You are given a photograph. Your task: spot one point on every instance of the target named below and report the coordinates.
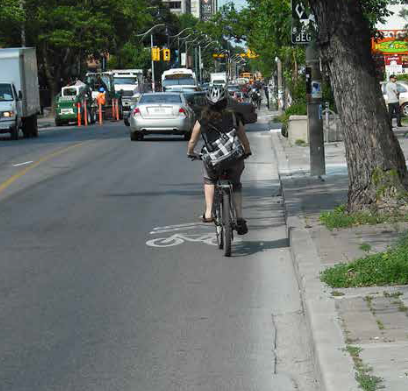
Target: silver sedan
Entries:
(161, 113)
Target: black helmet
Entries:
(216, 94)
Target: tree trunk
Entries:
(52, 76)
(377, 171)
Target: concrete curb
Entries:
(334, 368)
(44, 126)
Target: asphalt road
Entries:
(110, 282)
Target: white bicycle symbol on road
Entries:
(177, 239)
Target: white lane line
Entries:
(180, 227)
(22, 164)
(177, 226)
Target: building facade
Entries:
(204, 9)
(179, 7)
(201, 9)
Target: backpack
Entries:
(224, 152)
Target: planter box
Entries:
(297, 129)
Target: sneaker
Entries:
(242, 227)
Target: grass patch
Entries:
(340, 218)
(365, 247)
(394, 295)
(300, 143)
(380, 325)
(402, 307)
(337, 293)
(365, 379)
(386, 268)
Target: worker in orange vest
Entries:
(101, 97)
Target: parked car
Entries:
(403, 98)
(161, 113)
(205, 86)
(232, 89)
(245, 111)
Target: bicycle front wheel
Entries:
(227, 223)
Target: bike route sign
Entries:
(303, 22)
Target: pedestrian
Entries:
(393, 100)
(266, 90)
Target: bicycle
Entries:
(224, 214)
(225, 219)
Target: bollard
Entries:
(79, 113)
(117, 109)
(100, 114)
(85, 113)
(113, 109)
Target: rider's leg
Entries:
(235, 177)
(234, 174)
(209, 186)
(209, 200)
(237, 201)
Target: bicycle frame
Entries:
(225, 216)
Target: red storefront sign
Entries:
(392, 60)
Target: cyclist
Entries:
(217, 115)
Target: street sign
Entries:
(303, 23)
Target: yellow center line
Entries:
(8, 182)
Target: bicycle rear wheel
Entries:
(227, 223)
(219, 231)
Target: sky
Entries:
(238, 3)
(394, 22)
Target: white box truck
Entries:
(19, 93)
(218, 78)
(127, 84)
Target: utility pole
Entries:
(199, 63)
(281, 104)
(314, 111)
(302, 21)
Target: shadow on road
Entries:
(69, 134)
(246, 248)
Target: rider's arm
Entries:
(195, 135)
(243, 138)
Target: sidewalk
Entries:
(45, 122)
(370, 322)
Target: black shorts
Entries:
(234, 175)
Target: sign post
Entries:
(302, 20)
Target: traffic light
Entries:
(166, 54)
(155, 53)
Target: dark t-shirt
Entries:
(223, 125)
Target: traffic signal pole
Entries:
(151, 48)
(315, 111)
